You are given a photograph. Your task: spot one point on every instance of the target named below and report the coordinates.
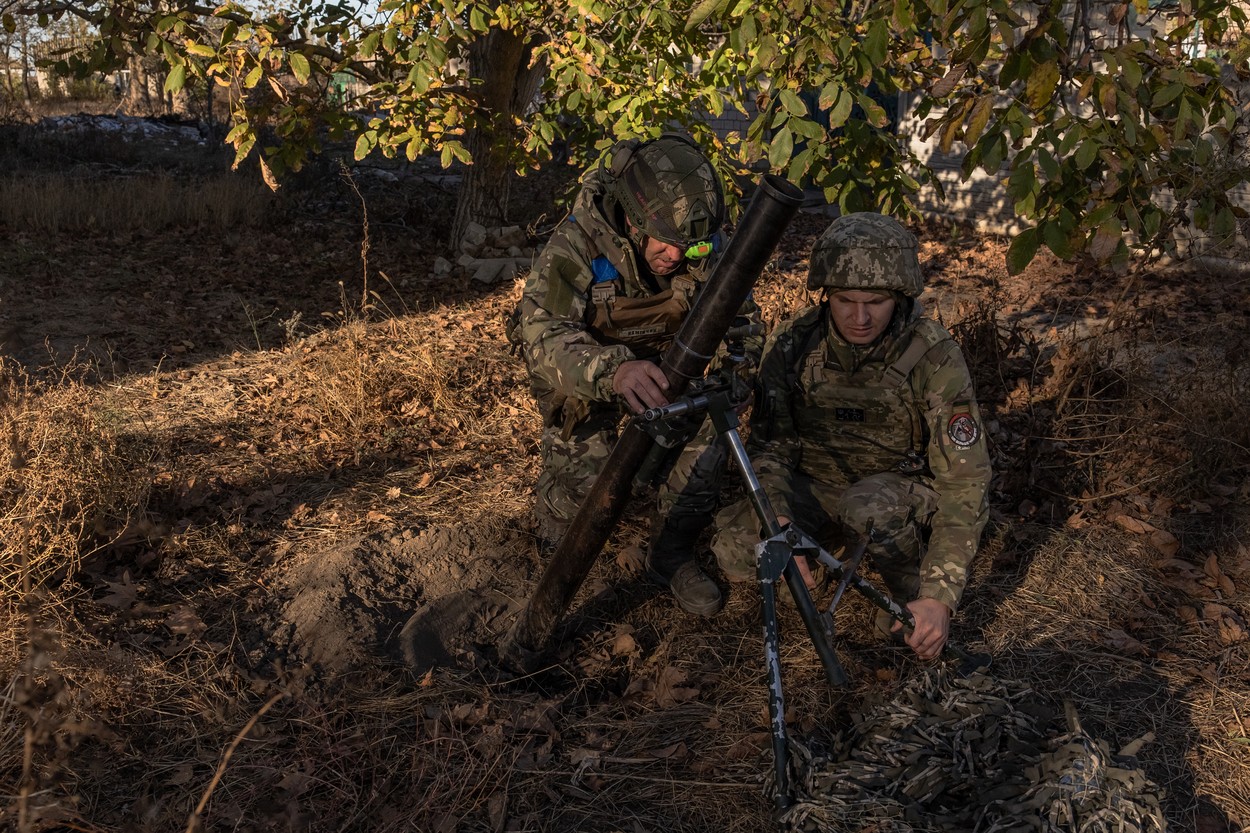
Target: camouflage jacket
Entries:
(836, 413)
(565, 360)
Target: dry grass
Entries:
(61, 203)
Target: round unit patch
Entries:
(963, 430)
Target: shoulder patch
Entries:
(962, 429)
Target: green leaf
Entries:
(176, 78)
(1049, 165)
(1167, 95)
(165, 23)
(702, 11)
(842, 110)
(874, 113)
(365, 143)
(1021, 251)
(1040, 86)
(876, 43)
(253, 77)
(1239, 53)
(460, 152)
(799, 165)
(781, 148)
(766, 53)
(10, 23)
(1057, 240)
(1224, 224)
(300, 67)
(807, 129)
(237, 132)
(369, 46)
(829, 95)
(1086, 153)
(793, 104)
(201, 50)
(1132, 73)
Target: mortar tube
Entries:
(773, 205)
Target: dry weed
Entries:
(55, 203)
(73, 476)
(1131, 411)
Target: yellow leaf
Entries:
(266, 173)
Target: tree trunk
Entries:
(509, 83)
(137, 102)
(30, 96)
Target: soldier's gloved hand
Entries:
(933, 621)
(642, 384)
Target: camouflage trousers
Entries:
(898, 506)
(690, 479)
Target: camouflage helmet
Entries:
(668, 189)
(866, 251)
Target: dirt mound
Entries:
(429, 597)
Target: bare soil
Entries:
(297, 628)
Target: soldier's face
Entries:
(861, 316)
(662, 258)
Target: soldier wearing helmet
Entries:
(610, 290)
(865, 412)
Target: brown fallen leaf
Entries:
(1230, 626)
(184, 621)
(749, 746)
(1121, 641)
(670, 689)
(1131, 524)
(623, 645)
(497, 811)
(1165, 542)
(677, 751)
(123, 594)
(631, 559)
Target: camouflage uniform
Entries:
(889, 432)
(591, 263)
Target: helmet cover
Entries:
(669, 190)
(866, 251)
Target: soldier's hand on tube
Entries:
(933, 621)
(642, 384)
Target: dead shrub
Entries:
(71, 477)
(1129, 411)
(63, 203)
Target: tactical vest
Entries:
(644, 325)
(857, 423)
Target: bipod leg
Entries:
(769, 566)
(818, 628)
(968, 662)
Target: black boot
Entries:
(671, 564)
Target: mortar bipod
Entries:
(773, 560)
(774, 556)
